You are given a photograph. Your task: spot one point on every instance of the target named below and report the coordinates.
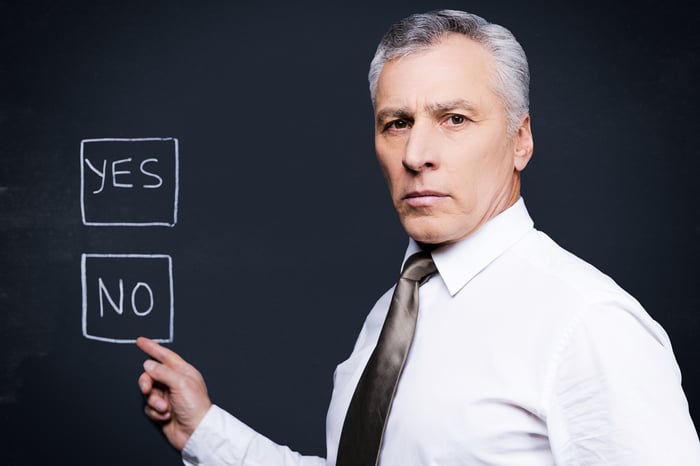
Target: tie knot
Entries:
(418, 267)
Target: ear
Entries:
(524, 144)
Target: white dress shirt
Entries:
(523, 355)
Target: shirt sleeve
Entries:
(616, 396)
(221, 439)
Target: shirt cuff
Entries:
(219, 438)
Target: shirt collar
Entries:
(459, 262)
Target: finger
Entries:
(158, 401)
(160, 353)
(156, 415)
(145, 383)
(162, 374)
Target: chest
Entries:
(473, 388)
(467, 397)
(471, 392)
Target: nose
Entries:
(421, 151)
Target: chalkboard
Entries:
(231, 146)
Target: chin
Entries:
(425, 233)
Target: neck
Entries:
(515, 190)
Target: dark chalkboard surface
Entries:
(232, 190)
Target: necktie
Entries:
(363, 429)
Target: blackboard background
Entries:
(281, 202)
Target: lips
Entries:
(424, 198)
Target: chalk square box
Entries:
(125, 296)
(129, 181)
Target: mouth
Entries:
(423, 198)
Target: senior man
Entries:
(496, 347)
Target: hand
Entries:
(175, 392)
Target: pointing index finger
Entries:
(159, 353)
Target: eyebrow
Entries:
(401, 113)
(450, 105)
(438, 107)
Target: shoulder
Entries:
(575, 294)
(595, 323)
(541, 264)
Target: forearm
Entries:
(221, 439)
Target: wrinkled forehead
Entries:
(451, 52)
(454, 68)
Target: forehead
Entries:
(455, 68)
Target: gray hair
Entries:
(421, 31)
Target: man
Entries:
(522, 354)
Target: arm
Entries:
(176, 398)
(616, 397)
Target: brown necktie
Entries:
(365, 420)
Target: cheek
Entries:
(480, 169)
(496, 160)
(384, 163)
(390, 166)
(393, 177)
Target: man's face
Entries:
(442, 141)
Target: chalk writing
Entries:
(147, 281)
(119, 309)
(129, 182)
(103, 174)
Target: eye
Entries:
(456, 119)
(397, 125)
